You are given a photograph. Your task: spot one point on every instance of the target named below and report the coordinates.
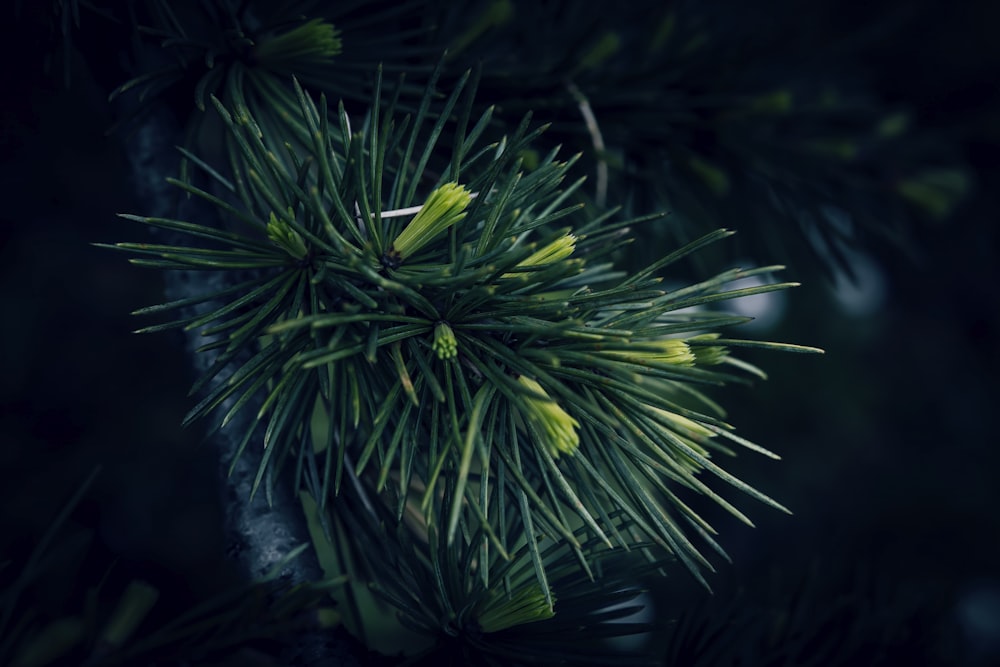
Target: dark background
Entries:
(890, 457)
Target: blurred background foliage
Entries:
(889, 457)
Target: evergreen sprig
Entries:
(445, 338)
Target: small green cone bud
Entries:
(527, 605)
(557, 427)
(445, 345)
(444, 207)
(286, 238)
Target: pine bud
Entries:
(444, 207)
(554, 252)
(286, 238)
(444, 344)
(557, 427)
(684, 426)
(670, 351)
(500, 612)
(708, 355)
(315, 40)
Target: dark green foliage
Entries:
(476, 362)
(451, 367)
(688, 108)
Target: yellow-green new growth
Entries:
(686, 427)
(444, 345)
(315, 40)
(556, 251)
(669, 351)
(527, 605)
(555, 425)
(707, 355)
(286, 238)
(444, 207)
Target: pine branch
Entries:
(437, 350)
